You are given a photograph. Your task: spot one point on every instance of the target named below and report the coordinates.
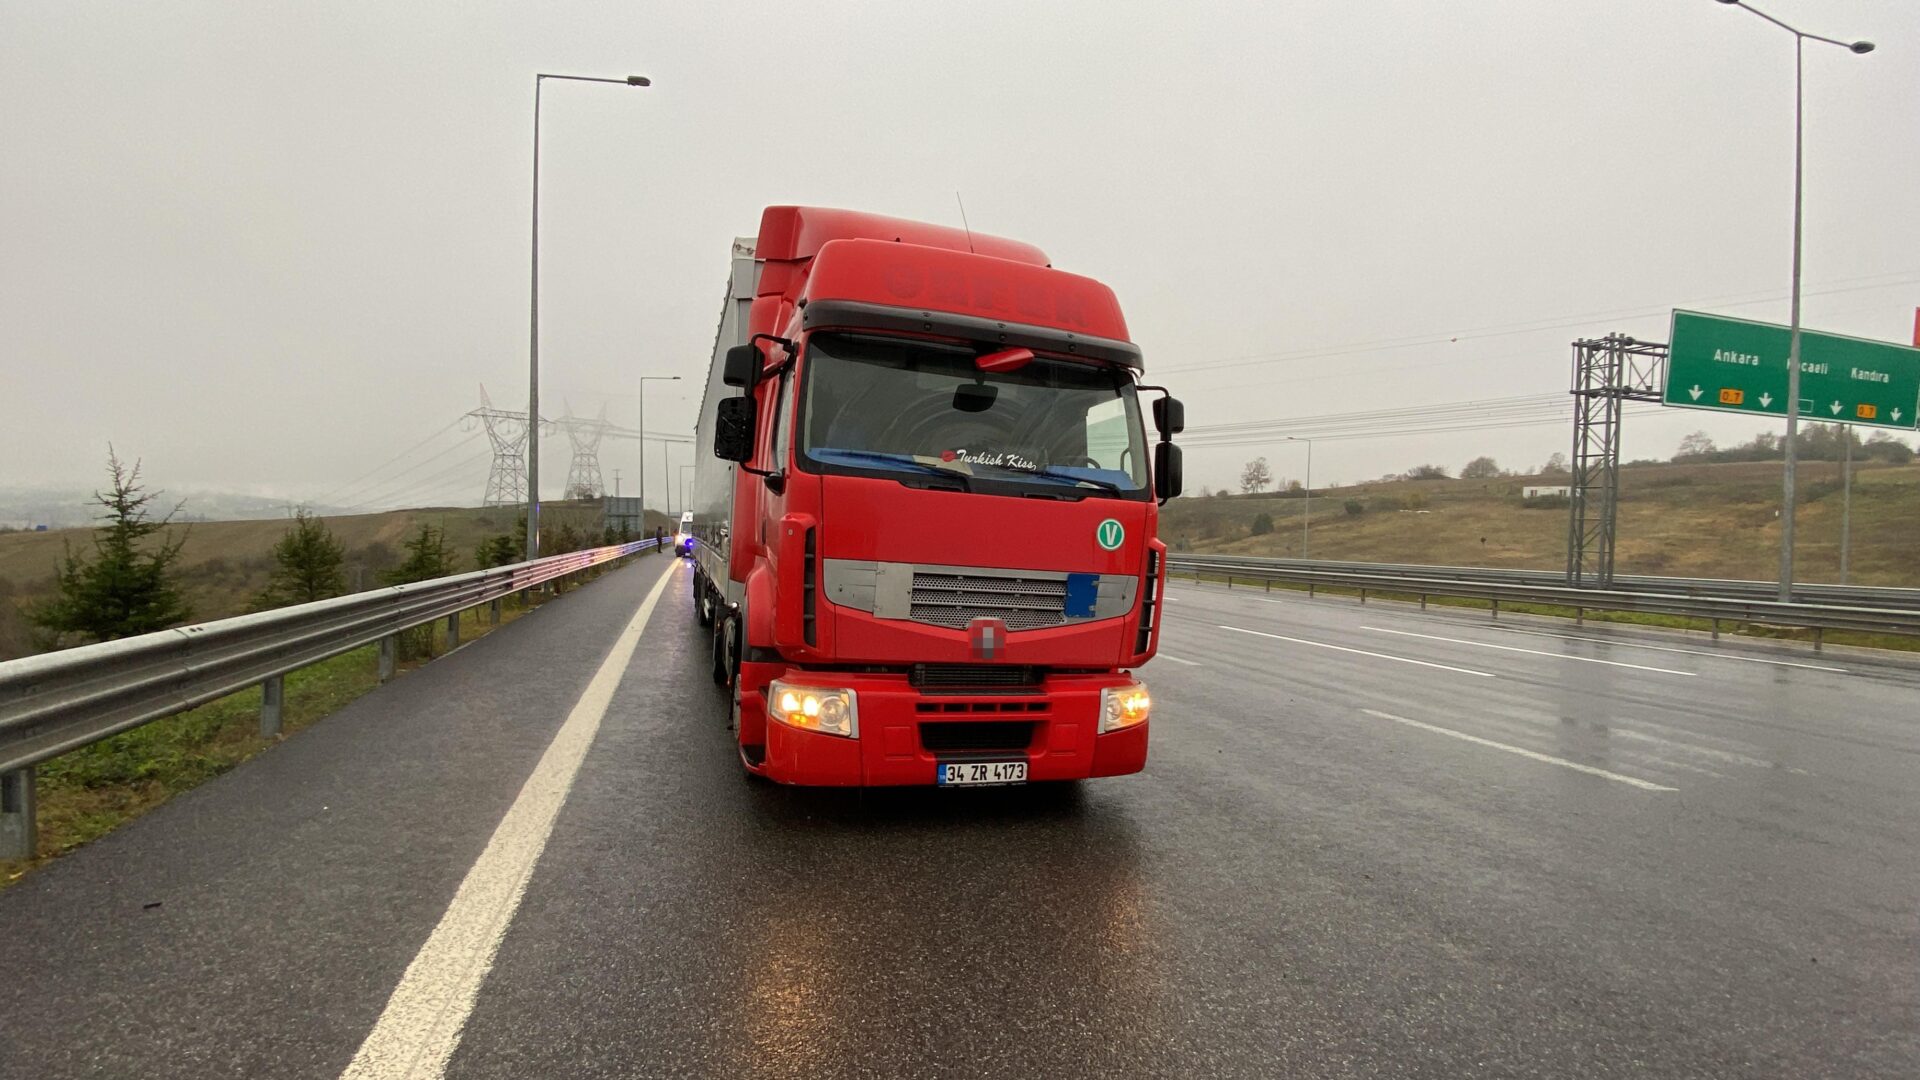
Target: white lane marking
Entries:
(1645, 785)
(1535, 652)
(422, 1023)
(1360, 652)
(1727, 756)
(1177, 660)
(1656, 762)
(1668, 648)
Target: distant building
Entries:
(1543, 491)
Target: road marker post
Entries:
(273, 696)
(18, 832)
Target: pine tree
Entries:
(127, 588)
(496, 551)
(308, 565)
(428, 557)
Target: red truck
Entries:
(925, 542)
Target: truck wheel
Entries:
(730, 654)
(718, 656)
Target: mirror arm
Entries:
(793, 351)
(1165, 393)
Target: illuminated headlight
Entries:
(814, 708)
(1123, 707)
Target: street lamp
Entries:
(1793, 347)
(643, 440)
(533, 315)
(1306, 514)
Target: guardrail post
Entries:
(453, 631)
(1267, 584)
(1363, 596)
(493, 612)
(1819, 638)
(18, 831)
(1423, 601)
(1716, 629)
(273, 695)
(389, 649)
(1496, 608)
(1309, 590)
(1579, 616)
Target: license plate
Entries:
(959, 774)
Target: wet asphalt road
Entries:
(1369, 842)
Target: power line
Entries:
(1556, 322)
(439, 480)
(328, 497)
(360, 497)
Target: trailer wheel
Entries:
(702, 600)
(730, 654)
(718, 654)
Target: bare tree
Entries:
(1255, 477)
(1695, 445)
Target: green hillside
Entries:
(225, 563)
(1685, 520)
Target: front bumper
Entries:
(906, 732)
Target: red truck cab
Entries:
(926, 540)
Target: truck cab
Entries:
(927, 534)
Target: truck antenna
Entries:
(969, 228)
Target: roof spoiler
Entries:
(861, 315)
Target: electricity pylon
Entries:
(507, 431)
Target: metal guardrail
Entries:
(1899, 599)
(1671, 596)
(61, 701)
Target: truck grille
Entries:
(971, 676)
(976, 735)
(955, 600)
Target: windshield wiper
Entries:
(930, 469)
(1052, 472)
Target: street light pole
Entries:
(1306, 515)
(533, 314)
(643, 440)
(1791, 449)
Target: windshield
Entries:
(885, 404)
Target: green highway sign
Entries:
(1735, 365)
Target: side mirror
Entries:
(1169, 416)
(743, 361)
(733, 426)
(1167, 478)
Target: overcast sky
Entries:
(268, 246)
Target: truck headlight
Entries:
(814, 708)
(1123, 706)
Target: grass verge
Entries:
(92, 791)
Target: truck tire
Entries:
(718, 655)
(702, 600)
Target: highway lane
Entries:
(1293, 888)
(1338, 863)
(255, 926)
